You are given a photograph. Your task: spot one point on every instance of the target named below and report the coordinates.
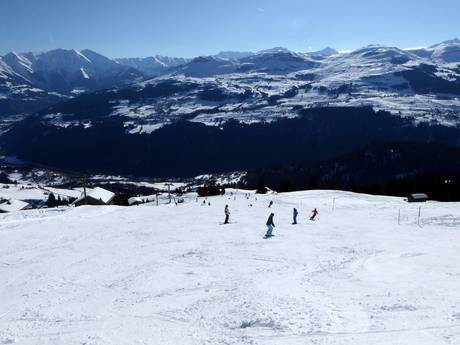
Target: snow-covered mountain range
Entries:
(423, 84)
(30, 81)
(153, 65)
(66, 72)
(414, 85)
(445, 52)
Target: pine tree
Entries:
(261, 188)
(51, 200)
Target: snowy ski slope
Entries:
(173, 275)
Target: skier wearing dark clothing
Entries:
(314, 214)
(294, 215)
(270, 225)
(227, 214)
(270, 204)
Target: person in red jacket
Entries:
(314, 214)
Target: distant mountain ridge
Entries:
(235, 55)
(444, 52)
(275, 84)
(153, 65)
(198, 113)
(384, 77)
(67, 71)
(32, 80)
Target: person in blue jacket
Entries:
(294, 215)
(270, 225)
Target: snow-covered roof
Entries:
(97, 193)
(70, 193)
(21, 192)
(135, 200)
(13, 205)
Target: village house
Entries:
(13, 205)
(95, 196)
(417, 197)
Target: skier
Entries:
(227, 214)
(270, 225)
(314, 214)
(270, 204)
(294, 216)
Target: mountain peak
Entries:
(328, 51)
(233, 55)
(452, 41)
(205, 59)
(274, 50)
(96, 58)
(62, 55)
(18, 63)
(87, 51)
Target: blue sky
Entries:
(201, 27)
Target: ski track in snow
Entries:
(172, 275)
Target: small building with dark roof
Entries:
(417, 197)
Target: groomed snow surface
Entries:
(173, 275)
